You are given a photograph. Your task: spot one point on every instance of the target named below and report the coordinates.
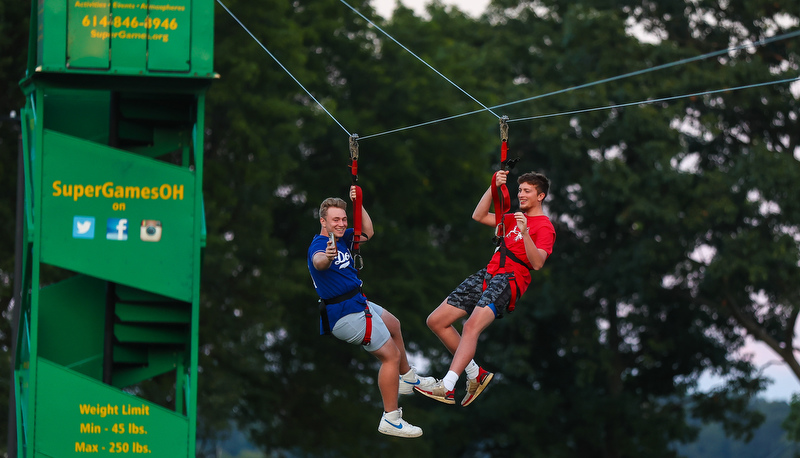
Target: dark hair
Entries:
(536, 179)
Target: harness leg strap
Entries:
(368, 331)
(323, 315)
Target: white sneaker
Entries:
(411, 379)
(392, 424)
(426, 383)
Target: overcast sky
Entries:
(472, 7)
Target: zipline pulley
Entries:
(505, 163)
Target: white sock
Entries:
(450, 380)
(472, 370)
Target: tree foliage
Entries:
(14, 18)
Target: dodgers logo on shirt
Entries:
(117, 229)
(83, 227)
(342, 259)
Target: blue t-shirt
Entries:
(340, 278)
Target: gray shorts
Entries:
(470, 293)
(351, 328)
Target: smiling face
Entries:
(333, 217)
(529, 197)
(533, 188)
(334, 221)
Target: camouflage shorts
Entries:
(470, 293)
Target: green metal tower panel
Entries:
(115, 197)
(112, 227)
(85, 416)
(151, 37)
(75, 306)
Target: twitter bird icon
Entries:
(83, 227)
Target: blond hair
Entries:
(331, 202)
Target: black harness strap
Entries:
(514, 258)
(323, 313)
(341, 297)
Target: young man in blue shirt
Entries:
(350, 317)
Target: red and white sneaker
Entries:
(437, 391)
(476, 386)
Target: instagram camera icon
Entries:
(150, 230)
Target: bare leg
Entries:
(441, 320)
(388, 375)
(480, 319)
(393, 325)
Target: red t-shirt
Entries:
(543, 235)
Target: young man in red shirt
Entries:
(488, 294)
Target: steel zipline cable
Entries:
(485, 108)
(541, 96)
(605, 107)
(281, 65)
(663, 99)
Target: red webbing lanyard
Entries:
(501, 199)
(357, 204)
(358, 261)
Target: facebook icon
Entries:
(117, 229)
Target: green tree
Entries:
(14, 19)
(769, 440)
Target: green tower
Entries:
(112, 228)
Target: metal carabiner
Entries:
(499, 232)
